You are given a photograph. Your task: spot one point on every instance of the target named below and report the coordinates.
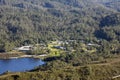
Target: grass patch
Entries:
(54, 51)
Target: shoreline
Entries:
(16, 56)
(29, 56)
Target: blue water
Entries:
(19, 65)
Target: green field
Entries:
(54, 51)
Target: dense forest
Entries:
(24, 22)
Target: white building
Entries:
(26, 49)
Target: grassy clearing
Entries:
(54, 51)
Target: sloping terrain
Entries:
(61, 71)
(85, 21)
(112, 4)
(25, 21)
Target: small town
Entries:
(53, 48)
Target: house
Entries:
(59, 47)
(26, 49)
(90, 44)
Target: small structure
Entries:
(59, 47)
(90, 44)
(58, 42)
(26, 49)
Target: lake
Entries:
(19, 64)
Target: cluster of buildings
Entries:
(55, 44)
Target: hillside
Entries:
(58, 70)
(112, 4)
(24, 21)
(88, 29)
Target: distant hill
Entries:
(112, 4)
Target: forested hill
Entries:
(25, 21)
